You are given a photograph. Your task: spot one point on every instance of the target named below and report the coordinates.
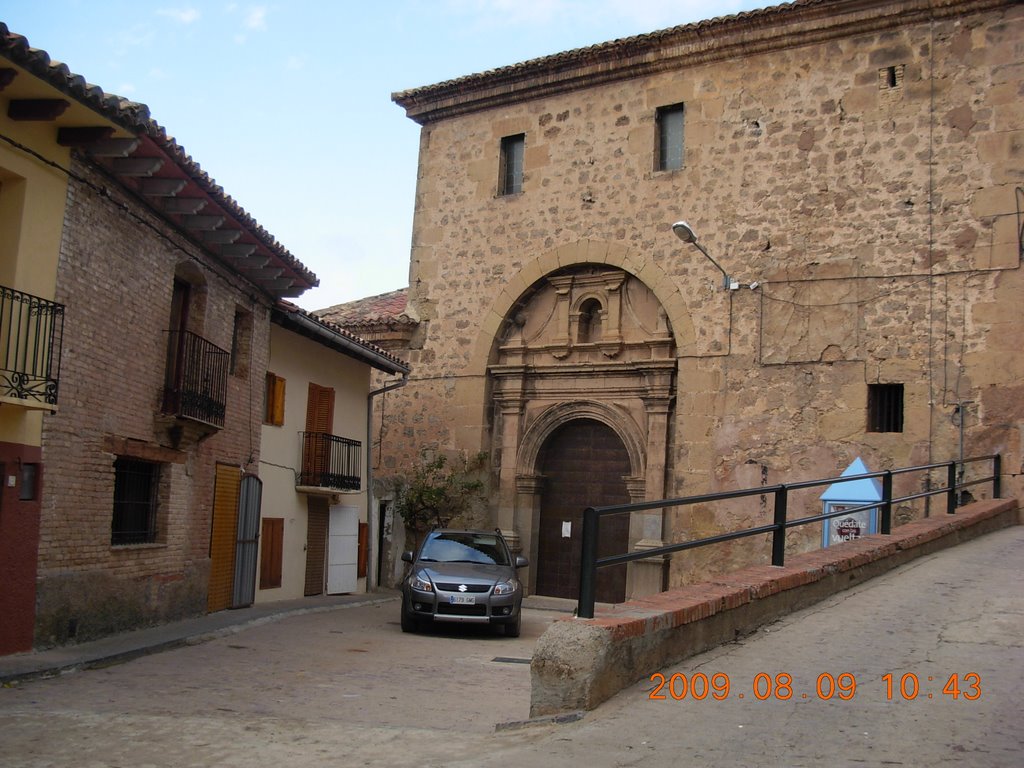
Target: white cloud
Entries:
(183, 15)
(256, 17)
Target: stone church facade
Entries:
(852, 171)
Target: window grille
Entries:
(885, 408)
(136, 483)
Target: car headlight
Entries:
(423, 585)
(506, 587)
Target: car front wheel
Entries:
(409, 623)
(513, 628)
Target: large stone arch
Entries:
(619, 421)
(583, 252)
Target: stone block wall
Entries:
(859, 164)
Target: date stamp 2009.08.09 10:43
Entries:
(780, 686)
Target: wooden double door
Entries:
(584, 464)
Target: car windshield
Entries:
(483, 548)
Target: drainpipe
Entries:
(371, 518)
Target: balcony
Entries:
(196, 386)
(31, 334)
(329, 463)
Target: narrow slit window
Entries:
(513, 148)
(669, 150)
(885, 408)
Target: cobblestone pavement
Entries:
(347, 688)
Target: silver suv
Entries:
(463, 576)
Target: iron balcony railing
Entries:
(329, 461)
(31, 334)
(196, 386)
(590, 562)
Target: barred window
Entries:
(885, 407)
(136, 486)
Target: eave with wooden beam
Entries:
(142, 159)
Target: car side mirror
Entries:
(407, 557)
(521, 562)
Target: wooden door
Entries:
(584, 464)
(223, 537)
(316, 545)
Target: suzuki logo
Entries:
(463, 587)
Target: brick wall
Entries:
(116, 273)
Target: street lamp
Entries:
(685, 233)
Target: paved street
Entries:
(346, 687)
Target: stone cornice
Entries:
(803, 22)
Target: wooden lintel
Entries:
(162, 187)
(202, 222)
(7, 76)
(221, 236)
(36, 109)
(114, 147)
(184, 204)
(83, 135)
(136, 166)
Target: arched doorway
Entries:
(584, 464)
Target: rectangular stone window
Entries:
(136, 490)
(668, 152)
(885, 407)
(510, 179)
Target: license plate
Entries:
(462, 600)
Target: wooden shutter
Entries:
(319, 421)
(274, 394)
(271, 552)
(223, 535)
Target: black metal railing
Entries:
(590, 562)
(31, 335)
(329, 461)
(196, 386)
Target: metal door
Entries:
(343, 551)
(249, 499)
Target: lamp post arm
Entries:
(725, 276)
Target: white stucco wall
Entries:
(299, 361)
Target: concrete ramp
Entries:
(578, 663)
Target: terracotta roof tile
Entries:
(384, 309)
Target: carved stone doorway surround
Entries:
(586, 342)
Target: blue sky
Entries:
(287, 105)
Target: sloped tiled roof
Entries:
(293, 317)
(384, 310)
(134, 118)
(640, 55)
